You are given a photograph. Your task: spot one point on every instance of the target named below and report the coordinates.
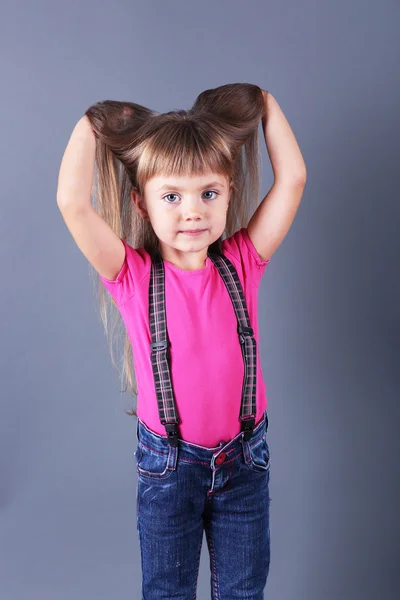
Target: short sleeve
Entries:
(134, 268)
(240, 247)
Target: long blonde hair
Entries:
(133, 144)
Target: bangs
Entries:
(183, 148)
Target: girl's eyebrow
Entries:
(168, 186)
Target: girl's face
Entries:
(175, 205)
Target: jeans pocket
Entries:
(153, 464)
(260, 456)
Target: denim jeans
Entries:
(184, 490)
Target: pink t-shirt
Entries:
(206, 365)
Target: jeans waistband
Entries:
(159, 443)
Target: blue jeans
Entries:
(184, 490)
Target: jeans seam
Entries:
(214, 571)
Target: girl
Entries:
(169, 188)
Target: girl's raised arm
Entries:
(273, 218)
(75, 178)
(94, 237)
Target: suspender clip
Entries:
(172, 433)
(247, 427)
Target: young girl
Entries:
(171, 242)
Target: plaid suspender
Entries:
(160, 355)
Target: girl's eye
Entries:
(207, 192)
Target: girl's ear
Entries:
(139, 204)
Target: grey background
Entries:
(329, 300)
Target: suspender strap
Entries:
(160, 355)
(247, 340)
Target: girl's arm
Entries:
(272, 220)
(94, 237)
(286, 159)
(77, 167)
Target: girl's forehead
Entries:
(191, 182)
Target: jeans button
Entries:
(220, 458)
